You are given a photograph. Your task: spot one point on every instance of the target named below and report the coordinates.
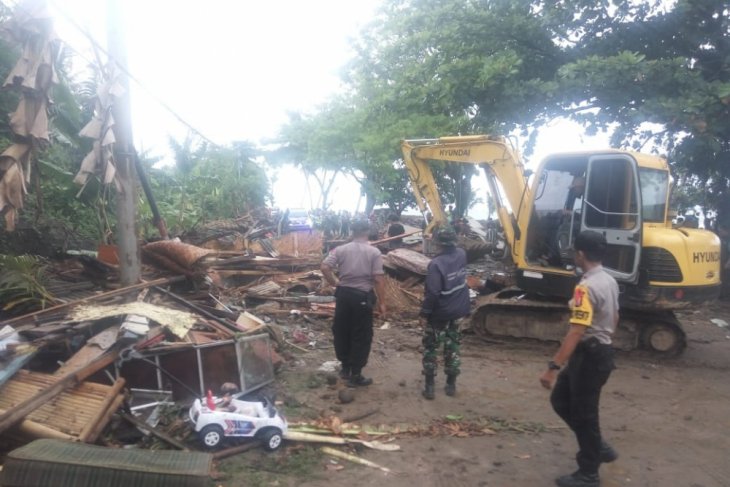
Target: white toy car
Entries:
(258, 419)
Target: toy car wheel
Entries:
(212, 435)
(272, 438)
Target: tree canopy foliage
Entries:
(656, 75)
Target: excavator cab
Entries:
(576, 192)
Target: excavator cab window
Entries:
(613, 207)
(586, 192)
(654, 189)
(556, 212)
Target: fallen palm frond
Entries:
(22, 286)
(451, 425)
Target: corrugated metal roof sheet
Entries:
(61, 463)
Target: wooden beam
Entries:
(92, 436)
(101, 412)
(395, 237)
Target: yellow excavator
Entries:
(624, 195)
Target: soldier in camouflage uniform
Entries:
(445, 302)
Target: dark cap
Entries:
(360, 227)
(592, 243)
(445, 235)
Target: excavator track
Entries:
(513, 313)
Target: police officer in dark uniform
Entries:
(445, 301)
(360, 285)
(587, 356)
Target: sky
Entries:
(234, 70)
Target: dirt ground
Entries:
(668, 418)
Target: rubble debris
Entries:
(16, 411)
(212, 234)
(249, 323)
(407, 259)
(175, 255)
(93, 349)
(178, 322)
(144, 427)
(36, 317)
(268, 290)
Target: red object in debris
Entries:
(209, 401)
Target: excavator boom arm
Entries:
(500, 161)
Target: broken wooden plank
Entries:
(89, 352)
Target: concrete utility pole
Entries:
(126, 234)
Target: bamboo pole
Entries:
(101, 411)
(353, 458)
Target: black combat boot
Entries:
(450, 387)
(345, 372)
(357, 379)
(428, 391)
(608, 454)
(578, 479)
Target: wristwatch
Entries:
(553, 366)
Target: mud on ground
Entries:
(668, 418)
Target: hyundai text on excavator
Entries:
(624, 195)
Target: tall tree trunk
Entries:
(369, 202)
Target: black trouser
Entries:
(576, 395)
(353, 327)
